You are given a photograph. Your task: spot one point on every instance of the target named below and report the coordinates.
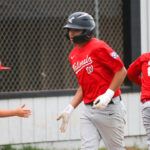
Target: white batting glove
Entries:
(65, 115)
(102, 101)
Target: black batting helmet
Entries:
(82, 21)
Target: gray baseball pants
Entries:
(107, 124)
(146, 120)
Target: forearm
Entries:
(77, 98)
(118, 79)
(102, 101)
(8, 113)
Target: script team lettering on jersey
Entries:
(79, 65)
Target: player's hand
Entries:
(65, 115)
(102, 101)
(65, 119)
(21, 112)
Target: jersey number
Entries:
(89, 69)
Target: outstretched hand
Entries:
(21, 112)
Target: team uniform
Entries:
(100, 72)
(95, 65)
(142, 66)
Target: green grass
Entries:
(9, 147)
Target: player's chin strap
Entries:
(84, 37)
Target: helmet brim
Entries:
(72, 26)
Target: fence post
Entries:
(96, 19)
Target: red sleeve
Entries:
(134, 71)
(109, 58)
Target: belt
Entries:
(111, 102)
(145, 100)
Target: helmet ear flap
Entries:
(88, 35)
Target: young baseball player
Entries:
(142, 66)
(100, 73)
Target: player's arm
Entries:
(20, 112)
(102, 101)
(118, 79)
(77, 98)
(65, 115)
(134, 72)
(112, 60)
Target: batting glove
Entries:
(102, 101)
(65, 115)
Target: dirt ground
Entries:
(130, 148)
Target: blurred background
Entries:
(33, 42)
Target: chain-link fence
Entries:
(33, 43)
